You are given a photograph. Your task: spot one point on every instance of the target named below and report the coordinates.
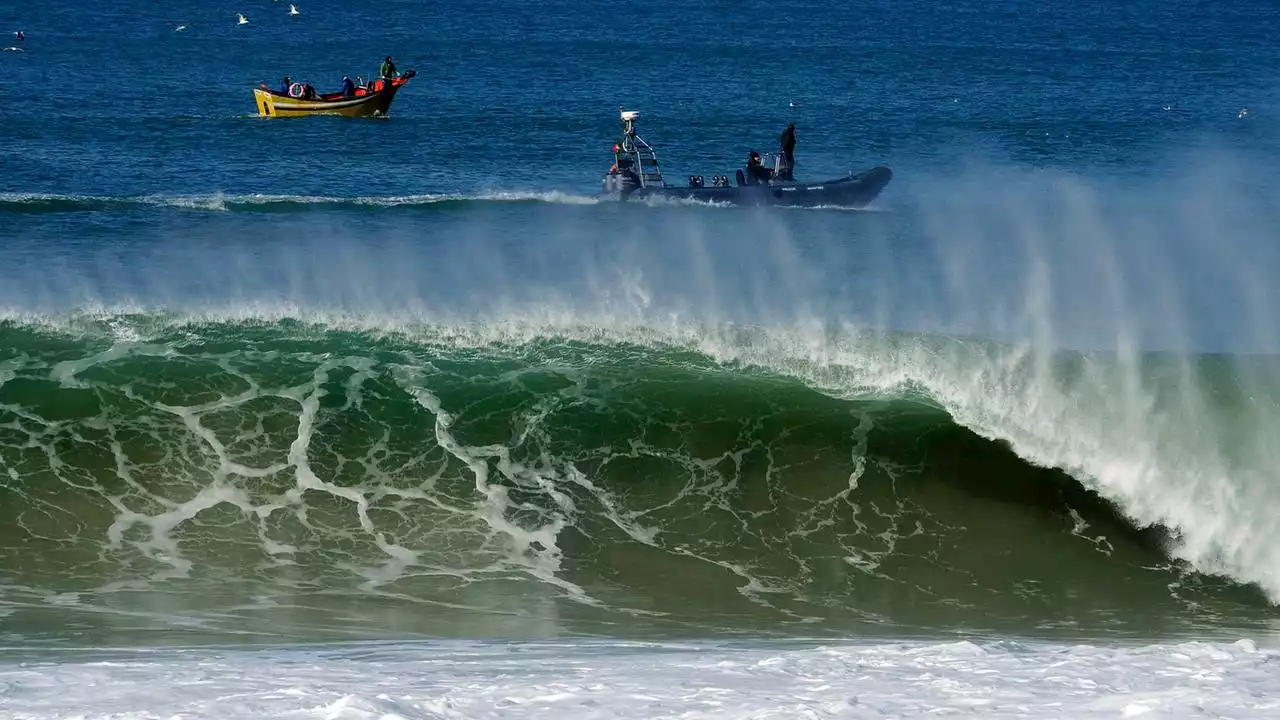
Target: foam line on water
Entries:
(619, 681)
(263, 202)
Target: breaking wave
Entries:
(525, 478)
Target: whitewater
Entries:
(598, 680)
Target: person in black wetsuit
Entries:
(757, 173)
(787, 144)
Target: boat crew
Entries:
(389, 68)
(757, 173)
(284, 86)
(787, 143)
(348, 87)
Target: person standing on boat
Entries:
(284, 86)
(389, 68)
(787, 143)
(348, 87)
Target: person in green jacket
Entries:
(389, 68)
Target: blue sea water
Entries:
(395, 418)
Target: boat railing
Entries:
(641, 153)
(645, 159)
(775, 160)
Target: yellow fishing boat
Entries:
(370, 100)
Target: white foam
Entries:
(222, 202)
(531, 550)
(603, 680)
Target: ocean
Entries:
(396, 419)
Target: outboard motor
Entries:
(622, 182)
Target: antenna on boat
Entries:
(628, 120)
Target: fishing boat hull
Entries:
(372, 102)
(856, 190)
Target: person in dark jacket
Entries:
(757, 173)
(348, 87)
(284, 86)
(787, 143)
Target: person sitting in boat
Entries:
(389, 68)
(348, 87)
(284, 86)
(757, 173)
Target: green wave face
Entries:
(281, 481)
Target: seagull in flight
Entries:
(243, 20)
(293, 9)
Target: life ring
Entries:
(295, 90)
